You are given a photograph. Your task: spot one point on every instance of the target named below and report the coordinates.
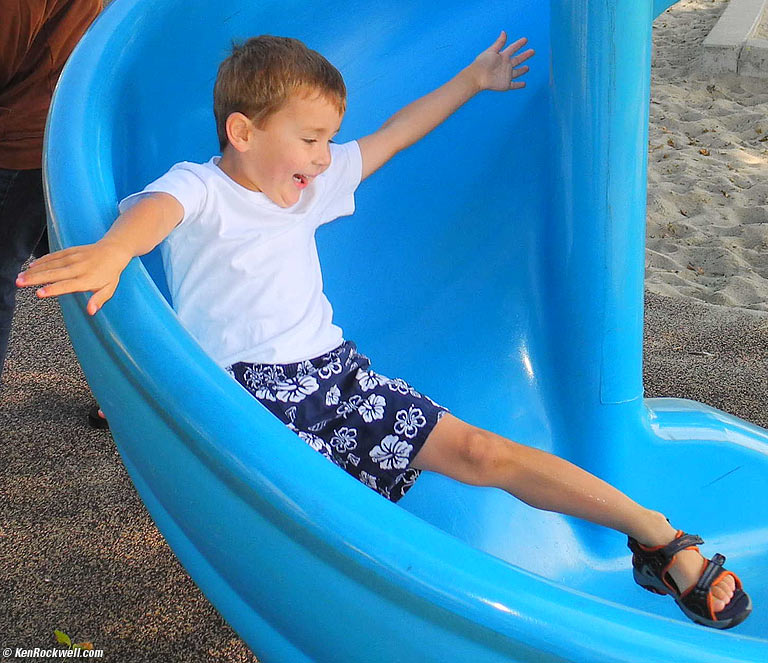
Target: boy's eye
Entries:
(309, 140)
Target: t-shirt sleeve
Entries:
(341, 180)
(180, 182)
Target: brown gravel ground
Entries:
(78, 550)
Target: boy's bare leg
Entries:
(475, 456)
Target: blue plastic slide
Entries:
(497, 265)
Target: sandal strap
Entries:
(680, 543)
(712, 571)
(658, 560)
(697, 598)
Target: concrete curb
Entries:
(736, 43)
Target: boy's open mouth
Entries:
(300, 180)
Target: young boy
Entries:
(242, 268)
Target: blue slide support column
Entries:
(600, 78)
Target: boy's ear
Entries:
(239, 131)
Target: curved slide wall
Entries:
(497, 265)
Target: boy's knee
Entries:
(466, 453)
(484, 457)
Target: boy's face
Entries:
(292, 148)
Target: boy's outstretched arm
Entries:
(97, 267)
(493, 69)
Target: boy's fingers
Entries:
(40, 276)
(93, 306)
(522, 57)
(515, 46)
(519, 72)
(38, 268)
(96, 302)
(496, 46)
(53, 256)
(43, 259)
(100, 297)
(63, 288)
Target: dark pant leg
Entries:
(22, 232)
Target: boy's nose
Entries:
(323, 158)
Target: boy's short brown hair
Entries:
(260, 75)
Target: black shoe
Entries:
(95, 420)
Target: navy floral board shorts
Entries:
(368, 424)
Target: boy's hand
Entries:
(495, 69)
(97, 267)
(91, 268)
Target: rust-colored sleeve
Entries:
(36, 38)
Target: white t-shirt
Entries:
(243, 272)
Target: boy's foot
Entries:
(688, 567)
(666, 563)
(687, 570)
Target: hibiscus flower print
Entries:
(333, 355)
(401, 386)
(369, 380)
(305, 368)
(407, 478)
(405, 481)
(318, 444)
(314, 428)
(391, 452)
(345, 409)
(344, 439)
(296, 389)
(271, 373)
(258, 384)
(368, 479)
(333, 396)
(350, 406)
(334, 368)
(408, 423)
(372, 408)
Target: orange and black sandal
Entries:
(651, 570)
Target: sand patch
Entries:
(707, 213)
